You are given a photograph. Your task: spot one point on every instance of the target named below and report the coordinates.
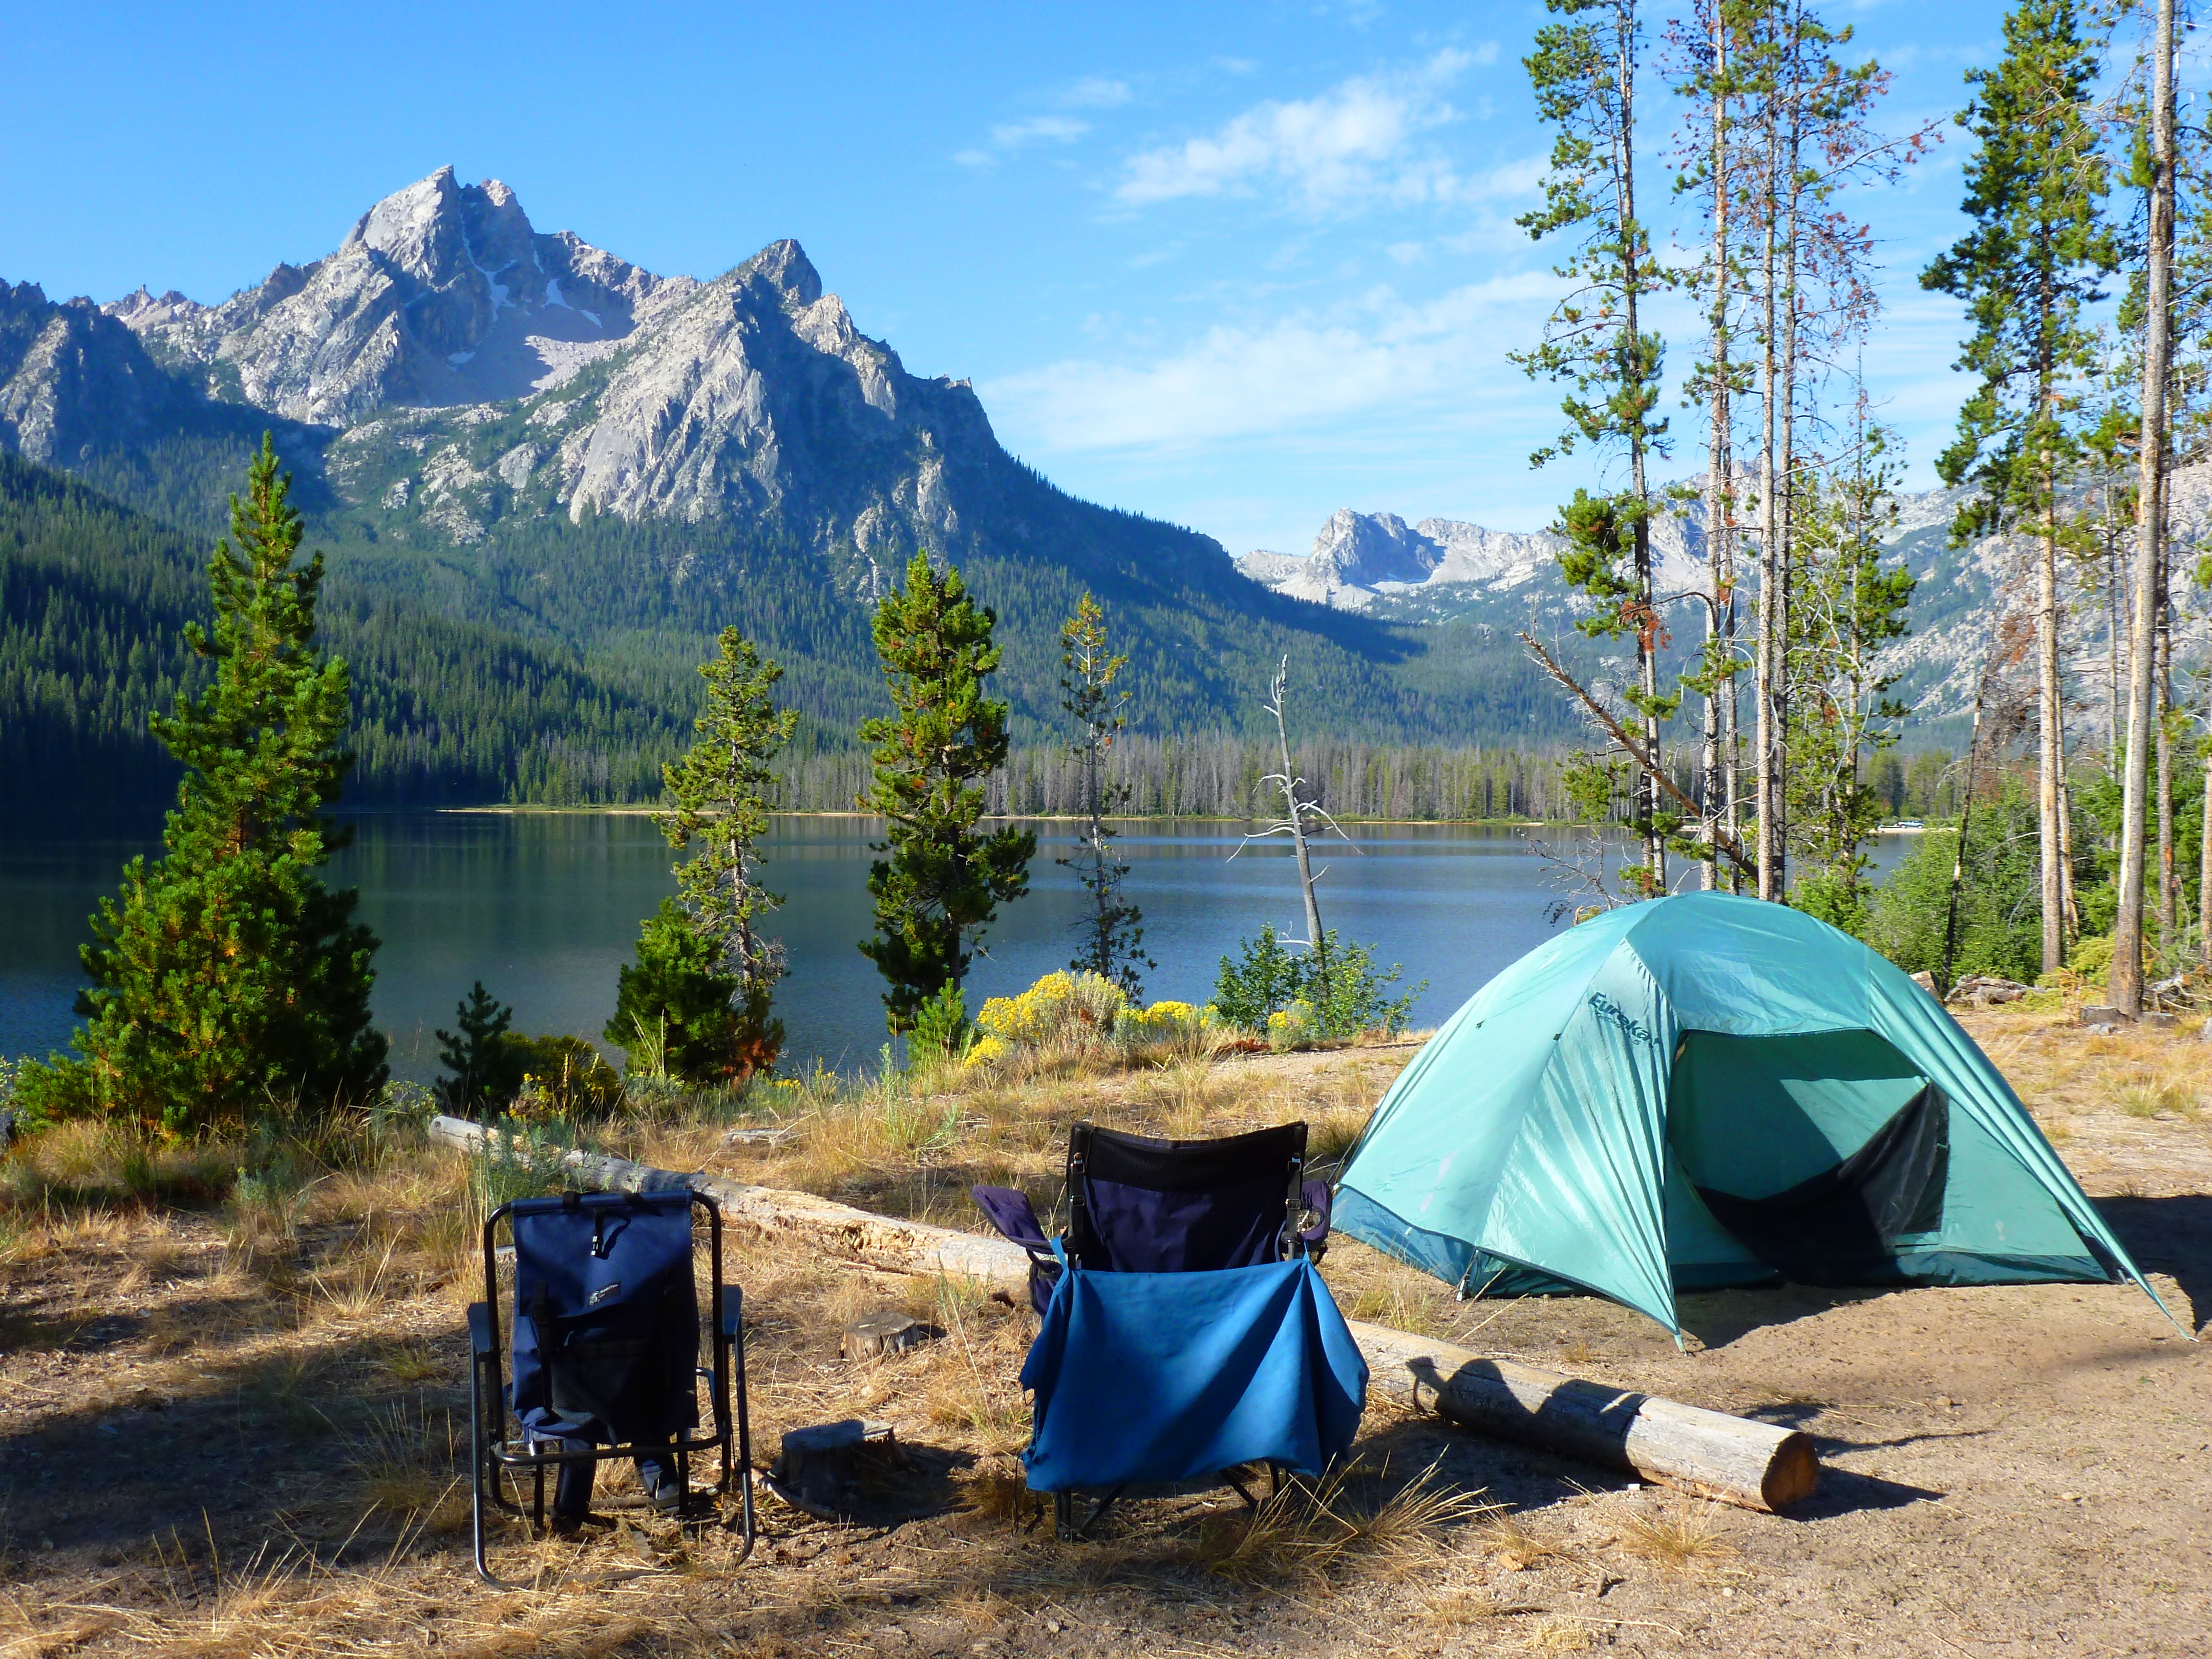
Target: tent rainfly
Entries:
(1707, 1091)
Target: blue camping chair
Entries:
(605, 1357)
(1185, 1332)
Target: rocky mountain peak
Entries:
(442, 294)
(783, 266)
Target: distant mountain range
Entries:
(546, 477)
(570, 470)
(1443, 570)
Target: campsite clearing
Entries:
(234, 1433)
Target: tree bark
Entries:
(2126, 989)
(1717, 464)
(2169, 878)
(2050, 751)
(1770, 580)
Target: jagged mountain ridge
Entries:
(693, 453)
(1447, 570)
(442, 294)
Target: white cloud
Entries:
(1096, 92)
(1010, 137)
(1039, 129)
(1235, 381)
(1353, 143)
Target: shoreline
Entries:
(531, 809)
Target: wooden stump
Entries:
(878, 1334)
(828, 1470)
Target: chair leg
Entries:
(480, 1464)
(1063, 1515)
(744, 1450)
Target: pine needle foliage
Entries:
(226, 979)
(1111, 933)
(945, 880)
(700, 1004)
(483, 1069)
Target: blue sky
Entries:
(1234, 267)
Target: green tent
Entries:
(1706, 1091)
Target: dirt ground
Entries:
(224, 1435)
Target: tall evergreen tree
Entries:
(227, 978)
(1584, 72)
(945, 880)
(2039, 246)
(1111, 931)
(720, 791)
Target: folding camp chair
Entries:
(1185, 1277)
(605, 1355)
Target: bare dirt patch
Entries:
(224, 1432)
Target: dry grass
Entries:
(1519, 1544)
(1355, 1525)
(413, 1465)
(1680, 1539)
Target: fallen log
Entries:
(1757, 1466)
(1735, 1460)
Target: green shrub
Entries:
(677, 1015)
(564, 1077)
(1336, 993)
(941, 1034)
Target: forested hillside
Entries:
(558, 668)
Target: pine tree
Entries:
(226, 979)
(678, 1013)
(944, 881)
(1584, 74)
(2032, 262)
(720, 789)
(1112, 934)
(486, 1070)
(1848, 605)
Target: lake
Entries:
(544, 908)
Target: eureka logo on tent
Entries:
(1634, 1028)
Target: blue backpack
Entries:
(606, 1322)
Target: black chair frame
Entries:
(496, 1451)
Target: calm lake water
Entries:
(544, 908)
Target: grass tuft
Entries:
(1679, 1540)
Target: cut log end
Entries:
(878, 1334)
(827, 1470)
(1794, 1475)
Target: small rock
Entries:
(2158, 1022)
(1945, 1401)
(777, 1136)
(2070, 1497)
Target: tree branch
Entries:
(1628, 746)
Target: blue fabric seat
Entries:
(604, 1355)
(1185, 1332)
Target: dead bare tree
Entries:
(1299, 810)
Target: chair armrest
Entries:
(734, 1311)
(1012, 1214)
(479, 1329)
(1315, 1197)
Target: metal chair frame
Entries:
(495, 1450)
